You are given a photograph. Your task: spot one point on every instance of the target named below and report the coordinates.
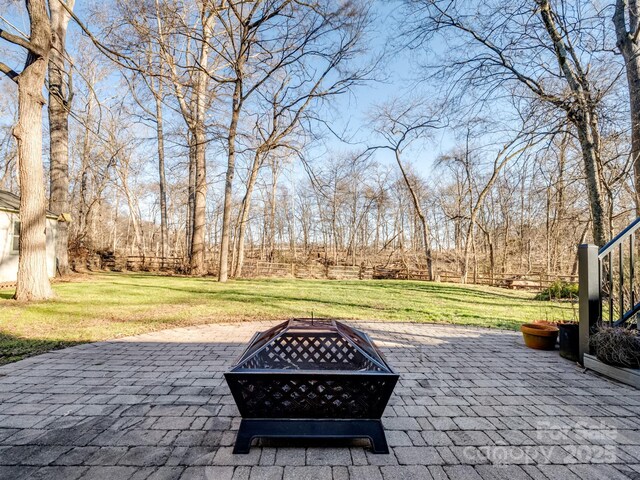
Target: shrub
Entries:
(559, 290)
(616, 346)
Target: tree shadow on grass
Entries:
(399, 285)
(14, 348)
(253, 297)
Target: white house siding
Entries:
(9, 259)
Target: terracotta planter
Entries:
(539, 336)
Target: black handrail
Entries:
(619, 238)
(628, 315)
(606, 275)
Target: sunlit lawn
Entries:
(104, 306)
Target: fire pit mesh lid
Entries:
(308, 344)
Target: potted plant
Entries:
(569, 336)
(568, 330)
(569, 340)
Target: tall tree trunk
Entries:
(197, 256)
(115, 225)
(492, 259)
(123, 173)
(291, 220)
(272, 210)
(560, 210)
(423, 219)
(164, 238)
(633, 79)
(223, 271)
(581, 112)
(33, 280)
(193, 111)
(83, 206)
(59, 104)
(190, 198)
(471, 227)
(258, 159)
(199, 203)
(590, 142)
(627, 43)
(498, 164)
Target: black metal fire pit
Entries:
(308, 378)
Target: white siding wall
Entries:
(9, 259)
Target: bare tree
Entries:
(33, 281)
(522, 141)
(300, 33)
(155, 86)
(507, 47)
(60, 95)
(627, 27)
(289, 101)
(254, 82)
(191, 91)
(179, 53)
(8, 154)
(400, 125)
(243, 24)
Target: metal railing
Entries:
(607, 284)
(607, 271)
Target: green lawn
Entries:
(103, 306)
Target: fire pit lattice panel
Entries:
(313, 398)
(292, 352)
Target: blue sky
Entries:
(399, 81)
(349, 112)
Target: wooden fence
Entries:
(136, 263)
(528, 281)
(306, 271)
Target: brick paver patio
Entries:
(471, 404)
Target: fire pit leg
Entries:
(378, 438)
(244, 438)
(329, 429)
